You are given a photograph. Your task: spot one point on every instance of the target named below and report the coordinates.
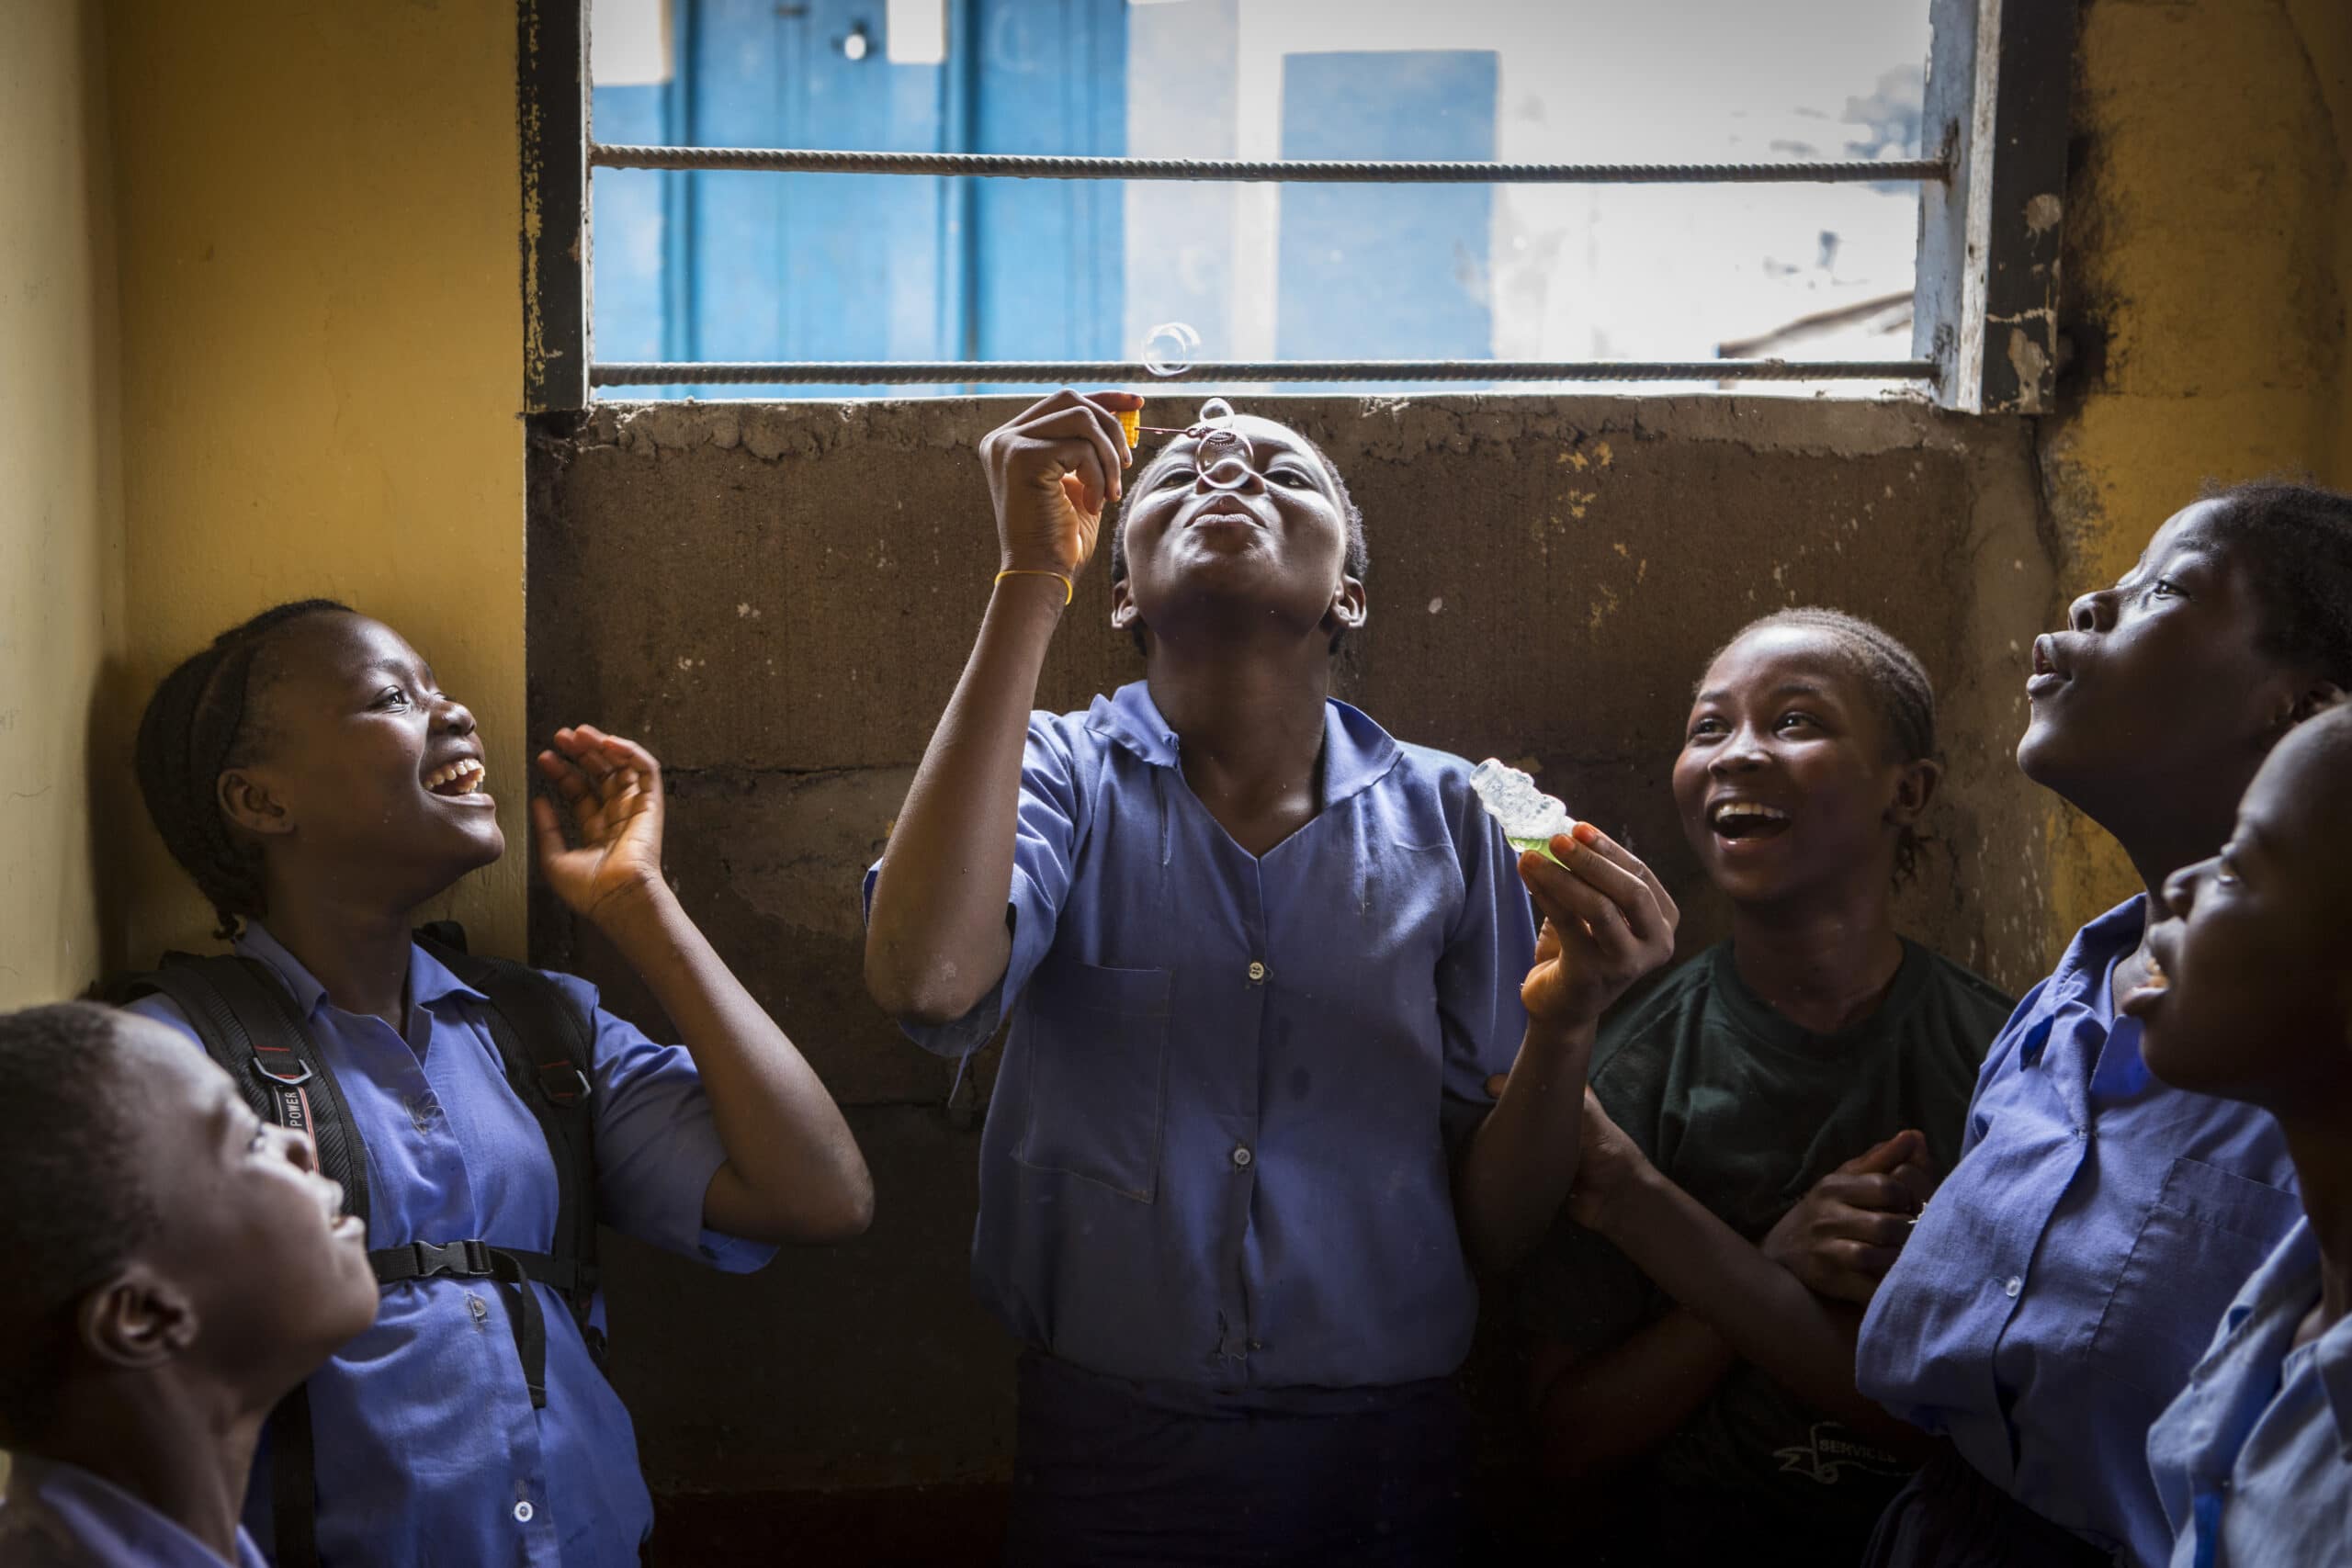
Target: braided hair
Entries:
(1896, 680)
(199, 724)
(71, 1208)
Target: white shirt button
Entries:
(1257, 971)
(2014, 1286)
(1241, 1159)
(523, 1512)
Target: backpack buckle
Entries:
(467, 1259)
(281, 1065)
(563, 1083)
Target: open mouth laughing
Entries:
(460, 780)
(1745, 821)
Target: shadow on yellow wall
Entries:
(314, 207)
(2208, 256)
(60, 513)
(321, 357)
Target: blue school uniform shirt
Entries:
(2070, 1271)
(427, 1447)
(60, 1516)
(2254, 1459)
(1217, 1157)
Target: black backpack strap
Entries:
(548, 1049)
(293, 1483)
(514, 1269)
(247, 1021)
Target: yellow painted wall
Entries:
(320, 334)
(60, 524)
(322, 350)
(2209, 260)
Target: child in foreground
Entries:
(2250, 998)
(174, 1266)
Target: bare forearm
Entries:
(1522, 1159)
(1801, 1340)
(1611, 1408)
(936, 938)
(793, 1170)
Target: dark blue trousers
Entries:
(1106, 1477)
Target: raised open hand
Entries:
(611, 790)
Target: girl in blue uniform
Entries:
(2250, 998)
(1260, 959)
(310, 774)
(2070, 1271)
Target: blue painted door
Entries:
(743, 266)
(1387, 271)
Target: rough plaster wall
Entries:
(779, 599)
(2208, 252)
(60, 513)
(322, 344)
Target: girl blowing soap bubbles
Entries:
(1260, 959)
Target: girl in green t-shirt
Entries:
(1673, 1354)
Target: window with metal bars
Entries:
(954, 217)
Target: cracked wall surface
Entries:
(777, 598)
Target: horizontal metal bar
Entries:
(1033, 372)
(1021, 165)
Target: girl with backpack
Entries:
(310, 774)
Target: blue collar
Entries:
(429, 981)
(2091, 956)
(109, 1524)
(1357, 753)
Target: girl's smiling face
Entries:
(363, 768)
(1242, 515)
(1789, 781)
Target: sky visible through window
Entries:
(762, 266)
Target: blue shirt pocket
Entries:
(2198, 1243)
(1097, 1047)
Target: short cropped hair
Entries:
(2294, 542)
(73, 1209)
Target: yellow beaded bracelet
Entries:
(1070, 590)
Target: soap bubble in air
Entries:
(1170, 349)
(1214, 409)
